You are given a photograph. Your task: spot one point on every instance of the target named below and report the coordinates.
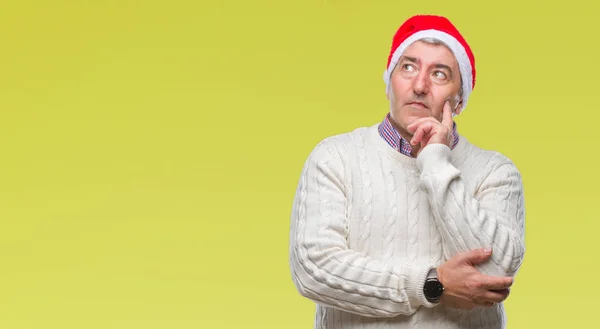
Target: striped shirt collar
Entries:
(397, 142)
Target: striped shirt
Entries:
(397, 142)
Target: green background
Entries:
(150, 150)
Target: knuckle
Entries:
(472, 285)
(478, 283)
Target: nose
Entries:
(421, 83)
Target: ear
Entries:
(459, 103)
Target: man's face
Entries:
(425, 76)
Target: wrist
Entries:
(417, 280)
(433, 289)
(433, 155)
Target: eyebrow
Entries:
(408, 58)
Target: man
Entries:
(406, 224)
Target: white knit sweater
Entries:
(368, 223)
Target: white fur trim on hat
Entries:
(462, 58)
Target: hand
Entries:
(465, 287)
(431, 131)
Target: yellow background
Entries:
(150, 150)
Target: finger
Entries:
(497, 283)
(505, 292)
(447, 115)
(422, 130)
(495, 296)
(424, 142)
(418, 135)
(475, 256)
(415, 124)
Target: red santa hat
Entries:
(437, 27)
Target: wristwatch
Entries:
(433, 288)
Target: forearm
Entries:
(467, 223)
(349, 281)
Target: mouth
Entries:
(418, 105)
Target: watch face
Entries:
(433, 289)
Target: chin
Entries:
(418, 110)
(415, 116)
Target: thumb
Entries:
(477, 256)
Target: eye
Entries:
(439, 74)
(408, 68)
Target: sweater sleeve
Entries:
(323, 267)
(491, 218)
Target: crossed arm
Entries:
(326, 271)
(492, 218)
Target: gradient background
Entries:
(150, 150)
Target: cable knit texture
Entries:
(368, 223)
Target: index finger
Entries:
(447, 115)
